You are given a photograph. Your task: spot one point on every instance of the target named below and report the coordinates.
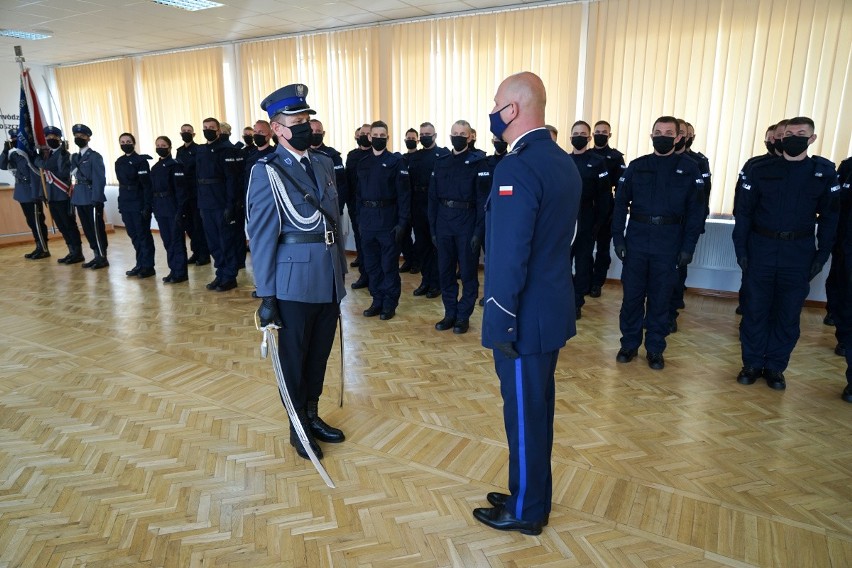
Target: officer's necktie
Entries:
(307, 163)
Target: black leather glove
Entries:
(506, 349)
(743, 262)
(475, 243)
(816, 268)
(397, 234)
(229, 216)
(683, 259)
(267, 312)
(620, 252)
(7, 145)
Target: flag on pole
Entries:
(31, 128)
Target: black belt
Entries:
(656, 219)
(161, 194)
(209, 181)
(304, 238)
(452, 204)
(127, 186)
(782, 235)
(385, 203)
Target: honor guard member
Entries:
(362, 139)
(407, 244)
(169, 197)
(194, 227)
(774, 241)
(56, 163)
(218, 190)
(457, 193)
(293, 223)
(615, 166)
(317, 145)
(594, 209)
(89, 173)
(420, 166)
(529, 309)
(662, 192)
(837, 282)
(384, 202)
(134, 204)
(28, 192)
(842, 304)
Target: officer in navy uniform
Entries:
(774, 242)
(457, 193)
(193, 225)
(529, 308)
(317, 145)
(56, 162)
(87, 169)
(134, 204)
(615, 167)
(169, 197)
(409, 262)
(664, 196)
(384, 202)
(500, 148)
(262, 142)
(28, 192)
(471, 145)
(362, 139)
(218, 179)
(594, 209)
(292, 221)
(837, 282)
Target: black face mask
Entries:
(300, 136)
(316, 138)
(795, 145)
(411, 144)
(663, 144)
(500, 147)
(186, 137)
(53, 143)
(248, 139)
(209, 134)
(379, 144)
(459, 143)
(471, 145)
(363, 141)
(259, 140)
(579, 142)
(601, 140)
(127, 148)
(81, 142)
(163, 152)
(680, 144)
(426, 141)
(689, 142)
(778, 144)
(770, 146)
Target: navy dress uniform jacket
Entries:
(90, 175)
(27, 183)
(58, 162)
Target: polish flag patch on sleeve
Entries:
(505, 190)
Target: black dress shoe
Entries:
(30, 254)
(840, 349)
(499, 500)
(372, 311)
(673, 326)
(445, 324)
(775, 379)
(387, 314)
(168, 278)
(406, 266)
(100, 262)
(748, 375)
(595, 292)
(133, 271)
(297, 443)
(88, 264)
(362, 282)
(655, 360)
(421, 290)
(227, 285)
(192, 259)
(319, 429)
(178, 279)
(500, 519)
(64, 259)
(74, 259)
(847, 393)
(828, 319)
(461, 327)
(213, 284)
(578, 313)
(202, 261)
(433, 293)
(415, 269)
(40, 254)
(146, 272)
(626, 355)
(355, 263)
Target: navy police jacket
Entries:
(168, 188)
(300, 272)
(87, 168)
(58, 163)
(134, 182)
(383, 180)
(27, 182)
(218, 171)
(595, 203)
(457, 194)
(530, 217)
(186, 156)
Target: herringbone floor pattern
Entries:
(138, 427)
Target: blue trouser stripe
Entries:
(522, 452)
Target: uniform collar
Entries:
(522, 136)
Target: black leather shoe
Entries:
(355, 263)
(64, 259)
(212, 285)
(133, 271)
(100, 262)
(847, 393)
(626, 355)
(595, 292)
(445, 324)
(40, 254)
(406, 266)
(655, 360)
(30, 254)
(192, 259)
(827, 320)
(387, 314)
(673, 326)
(88, 264)
(461, 327)
(578, 313)
(296, 443)
(739, 310)
(227, 285)
(372, 311)
(167, 278)
(415, 269)
(360, 283)
(319, 429)
(202, 261)
(74, 259)
(433, 293)
(146, 272)
(840, 349)
(421, 290)
(177, 279)
(499, 500)
(500, 519)
(748, 375)
(775, 379)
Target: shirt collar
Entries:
(512, 145)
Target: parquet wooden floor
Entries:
(139, 427)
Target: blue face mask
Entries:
(498, 127)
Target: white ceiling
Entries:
(85, 30)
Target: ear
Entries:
(812, 139)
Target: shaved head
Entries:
(520, 99)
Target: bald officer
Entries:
(529, 295)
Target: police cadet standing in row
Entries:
(420, 166)
(194, 227)
(362, 139)
(89, 173)
(317, 145)
(780, 200)
(28, 192)
(594, 209)
(56, 162)
(529, 308)
(406, 247)
(663, 194)
(842, 304)
(292, 221)
(134, 204)
(262, 144)
(384, 202)
(471, 145)
(615, 167)
(218, 191)
(457, 193)
(169, 197)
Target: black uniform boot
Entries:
(297, 443)
(75, 254)
(321, 431)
